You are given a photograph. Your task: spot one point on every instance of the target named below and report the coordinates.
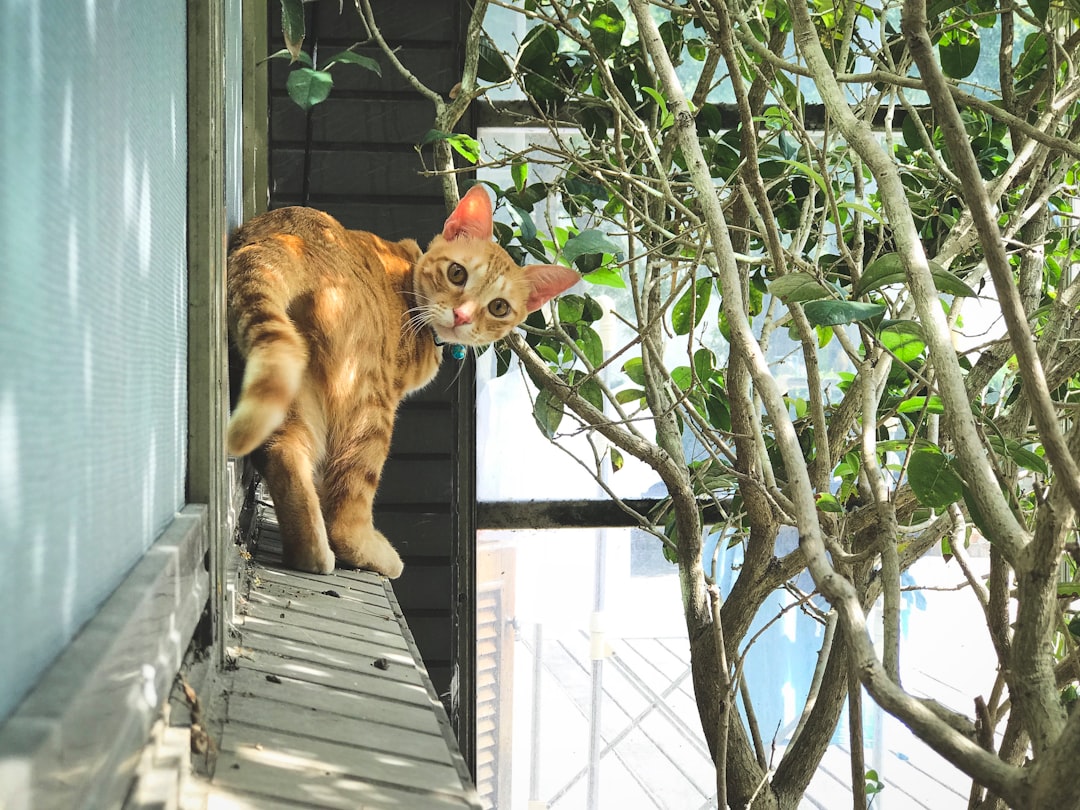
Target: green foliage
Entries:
(465, 146)
(826, 273)
(874, 785)
(934, 478)
(306, 85)
(293, 26)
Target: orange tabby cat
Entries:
(335, 327)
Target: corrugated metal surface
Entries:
(329, 704)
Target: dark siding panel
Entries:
(423, 588)
(385, 121)
(434, 67)
(421, 431)
(416, 481)
(357, 151)
(420, 536)
(433, 628)
(389, 220)
(346, 172)
(401, 21)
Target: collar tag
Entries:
(457, 351)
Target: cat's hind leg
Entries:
(289, 472)
(350, 479)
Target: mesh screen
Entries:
(92, 310)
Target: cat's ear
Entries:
(471, 218)
(546, 281)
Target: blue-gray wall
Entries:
(92, 310)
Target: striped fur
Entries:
(334, 328)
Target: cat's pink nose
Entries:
(462, 315)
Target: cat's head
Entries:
(469, 290)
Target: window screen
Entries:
(92, 310)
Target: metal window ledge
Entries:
(75, 740)
(329, 704)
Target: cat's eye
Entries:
(457, 274)
(499, 308)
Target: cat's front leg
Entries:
(288, 470)
(350, 479)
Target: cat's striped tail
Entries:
(275, 354)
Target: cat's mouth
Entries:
(451, 334)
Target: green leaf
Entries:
(946, 548)
(541, 65)
(704, 363)
(789, 147)
(862, 209)
(586, 242)
(308, 87)
(468, 148)
(1040, 8)
(809, 172)
(548, 413)
(303, 58)
(889, 269)
(292, 27)
(716, 406)
(548, 353)
(571, 308)
(464, 145)
(616, 459)
(492, 66)
(959, 51)
(797, 287)
(1069, 589)
(528, 197)
(933, 480)
(874, 784)
(606, 26)
(590, 344)
(666, 118)
(1020, 455)
(606, 277)
(593, 311)
(634, 369)
(350, 58)
(834, 313)
(683, 377)
(519, 171)
(931, 404)
(827, 502)
(629, 395)
(903, 338)
(696, 298)
(591, 391)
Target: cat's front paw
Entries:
(371, 551)
(319, 560)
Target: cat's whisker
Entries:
(419, 318)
